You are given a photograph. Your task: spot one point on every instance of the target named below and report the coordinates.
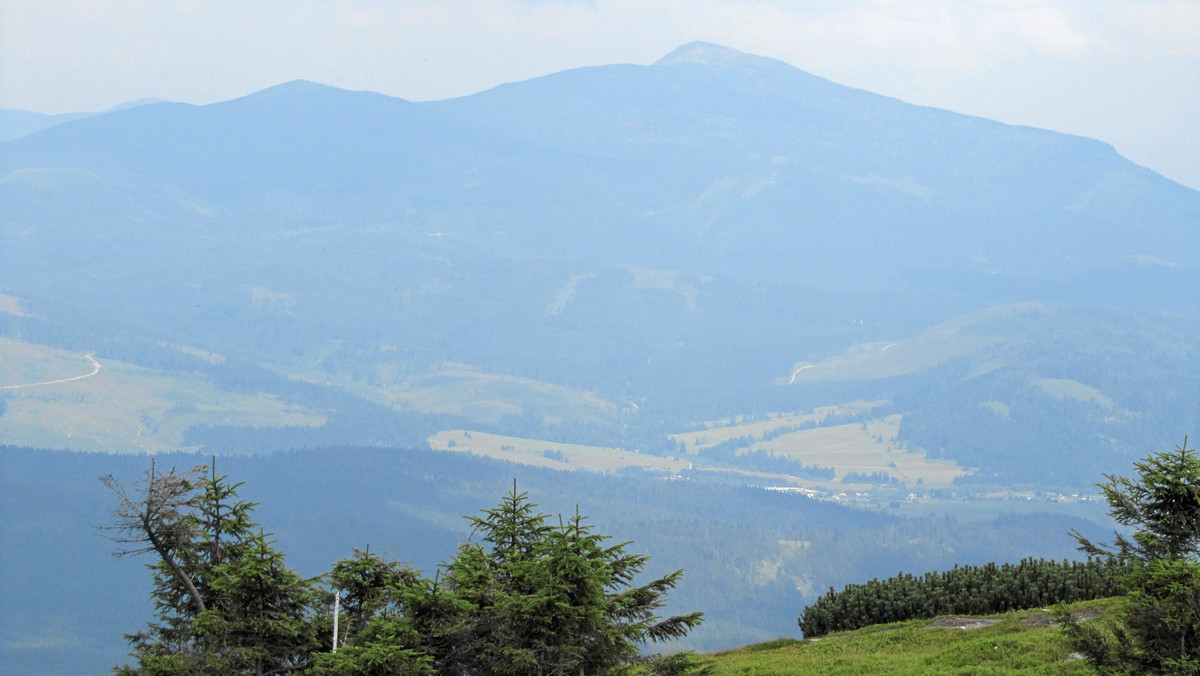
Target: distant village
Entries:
(855, 497)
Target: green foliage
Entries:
(1160, 631)
(1032, 583)
(392, 620)
(876, 478)
(383, 647)
(1162, 505)
(1164, 614)
(226, 602)
(369, 586)
(261, 611)
(553, 599)
(527, 598)
(1019, 642)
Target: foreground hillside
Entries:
(1025, 641)
(752, 559)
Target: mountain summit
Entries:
(743, 166)
(717, 56)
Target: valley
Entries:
(784, 333)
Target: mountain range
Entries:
(609, 255)
(929, 334)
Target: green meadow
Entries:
(1025, 641)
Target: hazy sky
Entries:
(1124, 71)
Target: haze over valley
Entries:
(635, 288)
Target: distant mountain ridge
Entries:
(709, 155)
(673, 239)
(18, 123)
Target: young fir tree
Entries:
(1160, 632)
(226, 602)
(380, 605)
(553, 599)
(526, 598)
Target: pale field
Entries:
(718, 431)
(1062, 388)
(863, 447)
(210, 357)
(531, 452)
(462, 390)
(123, 408)
(24, 363)
(871, 361)
(12, 305)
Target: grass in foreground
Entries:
(1022, 641)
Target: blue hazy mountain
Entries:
(781, 219)
(18, 123)
(709, 160)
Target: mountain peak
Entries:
(708, 54)
(296, 91)
(135, 104)
(304, 86)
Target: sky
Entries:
(1123, 71)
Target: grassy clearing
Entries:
(1019, 642)
(550, 454)
(871, 361)
(25, 363)
(865, 448)
(462, 390)
(123, 408)
(717, 431)
(12, 305)
(1062, 388)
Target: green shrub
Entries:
(988, 589)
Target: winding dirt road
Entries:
(798, 371)
(95, 370)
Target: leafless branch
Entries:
(157, 518)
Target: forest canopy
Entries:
(527, 595)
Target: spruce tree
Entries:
(1160, 632)
(381, 604)
(527, 597)
(225, 600)
(554, 599)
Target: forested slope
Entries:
(752, 559)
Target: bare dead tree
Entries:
(157, 518)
